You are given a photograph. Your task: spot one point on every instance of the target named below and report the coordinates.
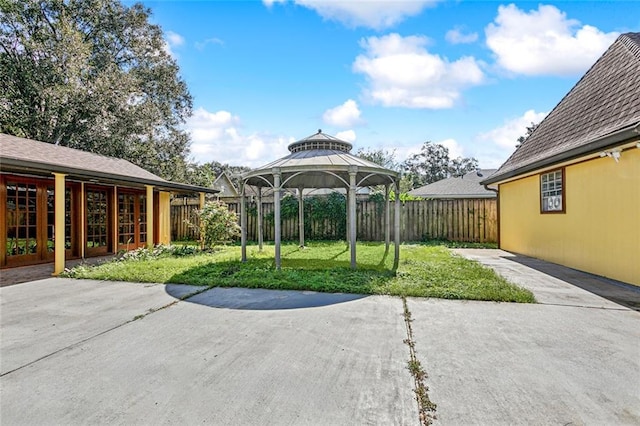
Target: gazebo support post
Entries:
(352, 214)
(387, 223)
(396, 226)
(201, 206)
(301, 216)
(259, 214)
(348, 219)
(243, 223)
(276, 214)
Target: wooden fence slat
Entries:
(455, 220)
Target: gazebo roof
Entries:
(321, 161)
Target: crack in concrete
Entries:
(426, 408)
(137, 317)
(604, 308)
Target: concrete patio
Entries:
(78, 352)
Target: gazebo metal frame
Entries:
(320, 161)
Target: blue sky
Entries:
(380, 74)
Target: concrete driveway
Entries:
(88, 352)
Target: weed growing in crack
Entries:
(426, 408)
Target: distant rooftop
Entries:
(467, 186)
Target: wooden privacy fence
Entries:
(469, 220)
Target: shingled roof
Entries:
(601, 111)
(467, 186)
(40, 158)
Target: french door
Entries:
(97, 221)
(132, 220)
(29, 224)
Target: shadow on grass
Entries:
(346, 248)
(300, 283)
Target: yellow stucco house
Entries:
(60, 203)
(570, 194)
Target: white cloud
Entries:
(457, 36)
(172, 40)
(216, 136)
(345, 115)
(347, 135)
(401, 72)
(455, 149)
(503, 139)
(376, 14)
(507, 135)
(200, 45)
(544, 41)
(270, 3)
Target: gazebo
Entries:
(320, 161)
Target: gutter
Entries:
(599, 144)
(491, 189)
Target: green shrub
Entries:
(216, 224)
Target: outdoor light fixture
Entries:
(614, 153)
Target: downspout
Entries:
(497, 191)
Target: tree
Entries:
(93, 75)
(382, 157)
(530, 130)
(461, 166)
(433, 164)
(205, 174)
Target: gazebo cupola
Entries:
(319, 161)
(320, 141)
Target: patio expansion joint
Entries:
(73, 345)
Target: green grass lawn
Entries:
(424, 271)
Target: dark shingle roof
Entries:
(606, 100)
(30, 150)
(44, 158)
(467, 186)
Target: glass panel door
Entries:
(126, 221)
(97, 221)
(132, 217)
(22, 218)
(142, 220)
